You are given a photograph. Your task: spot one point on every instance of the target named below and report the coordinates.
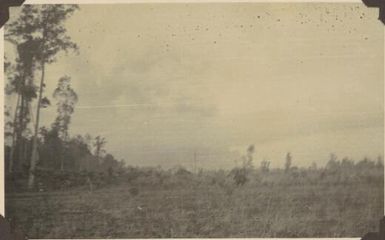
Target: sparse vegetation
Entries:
(334, 201)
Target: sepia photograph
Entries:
(194, 120)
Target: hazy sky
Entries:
(162, 81)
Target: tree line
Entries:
(39, 36)
(335, 168)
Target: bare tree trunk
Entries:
(61, 155)
(12, 152)
(20, 140)
(89, 182)
(61, 163)
(34, 157)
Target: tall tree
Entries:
(66, 99)
(248, 158)
(51, 149)
(99, 144)
(80, 151)
(42, 28)
(265, 166)
(250, 153)
(21, 82)
(288, 162)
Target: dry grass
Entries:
(200, 208)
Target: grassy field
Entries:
(192, 206)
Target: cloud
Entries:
(177, 79)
